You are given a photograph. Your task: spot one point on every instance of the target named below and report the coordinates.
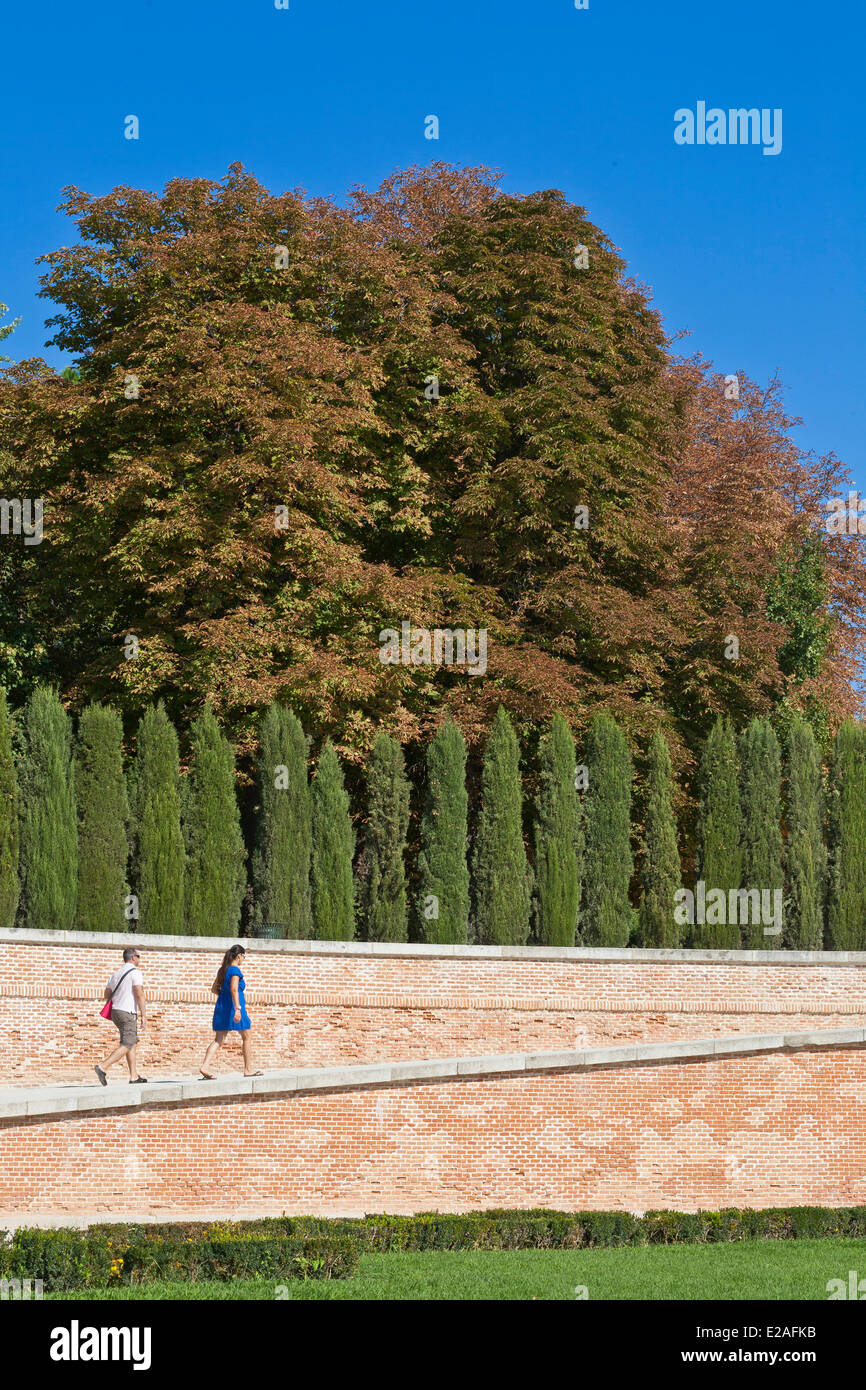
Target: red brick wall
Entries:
(757, 1130)
(326, 1007)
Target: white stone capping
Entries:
(413, 950)
(62, 1100)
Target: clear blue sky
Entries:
(760, 257)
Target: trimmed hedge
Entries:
(309, 1247)
(66, 1260)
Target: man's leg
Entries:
(131, 1061)
(115, 1056)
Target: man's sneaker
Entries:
(138, 1081)
(103, 1079)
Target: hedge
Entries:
(67, 1260)
(307, 1247)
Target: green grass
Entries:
(796, 1269)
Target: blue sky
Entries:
(760, 257)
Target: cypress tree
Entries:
(443, 875)
(9, 886)
(805, 852)
(333, 848)
(103, 819)
(383, 892)
(215, 878)
(660, 868)
(761, 812)
(159, 858)
(846, 916)
(501, 875)
(719, 854)
(607, 914)
(281, 862)
(557, 838)
(49, 831)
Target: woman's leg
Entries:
(212, 1048)
(247, 1047)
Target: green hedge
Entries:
(67, 1260)
(309, 1247)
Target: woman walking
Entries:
(230, 1014)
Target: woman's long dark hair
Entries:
(229, 958)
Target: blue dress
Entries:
(224, 1013)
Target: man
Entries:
(125, 989)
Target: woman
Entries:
(230, 1014)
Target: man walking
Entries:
(125, 989)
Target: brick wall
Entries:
(752, 1130)
(313, 1004)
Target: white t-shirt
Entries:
(124, 999)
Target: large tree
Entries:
(215, 878)
(159, 860)
(558, 838)
(9, 885)
(383, 883)
(805, 850)
(501, 875)
(719, 856)
(660, 872)
(443, 875)
(846, 913)
(607, 916)
(49, 831)
(761, 812)
(333, 841)
(281, 861)
(103, 821)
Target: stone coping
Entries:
(418, 951)
(60, 1100)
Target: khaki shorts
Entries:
(127, 1025)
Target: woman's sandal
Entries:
(253, 1073)
(206, 1075)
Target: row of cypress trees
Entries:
(85, 843)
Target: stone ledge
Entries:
(65, 1100)
(411, 950)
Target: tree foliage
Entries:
(558, 838)
(103, 821)
(49, 831)
(383, 886)
(607, 916)
(660, 865)
(501, 873)
(281, 863)
(333, 848)
(443, 876)
(846, 913)
(215, 878)
(805, 850)
(9, 886)
(159, 859)
(761, 815)
(719, 858)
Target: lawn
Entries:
(795, 1269)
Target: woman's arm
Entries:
(235, 999)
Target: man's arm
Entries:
(138, 992)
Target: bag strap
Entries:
(121, 980)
